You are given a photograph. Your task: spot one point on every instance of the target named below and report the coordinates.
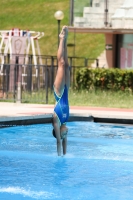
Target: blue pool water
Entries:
(98, 165)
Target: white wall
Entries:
(95, 16)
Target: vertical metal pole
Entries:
(71, 70)
(71, 12)
(74, 42)
(97, 63)
(4, 81)
(14, 88)
(52, 74)
(91, 3)
(106, 13)
(29, 74)
(37, 78)
(46, 81)
(58, 31)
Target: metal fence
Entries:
(26, 82)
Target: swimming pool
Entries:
(98, 165)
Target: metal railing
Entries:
(26, 82)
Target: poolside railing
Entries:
(23, 81)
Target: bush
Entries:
(105, 79)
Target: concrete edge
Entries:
(114, 120)
(39, 119)
(47, 118)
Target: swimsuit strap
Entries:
(57, 97)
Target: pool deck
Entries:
(24, 114)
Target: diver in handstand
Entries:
(61, 87)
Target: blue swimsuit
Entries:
(62, 106)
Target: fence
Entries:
(25, 82)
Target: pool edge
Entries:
(47, 118)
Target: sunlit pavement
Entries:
(21, 110)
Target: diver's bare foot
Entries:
(64, 32)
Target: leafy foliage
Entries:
(105, 79)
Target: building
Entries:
(114, 19)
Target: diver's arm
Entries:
(58, 140)
(57, 133)
(64, 145)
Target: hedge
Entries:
(107, 79)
